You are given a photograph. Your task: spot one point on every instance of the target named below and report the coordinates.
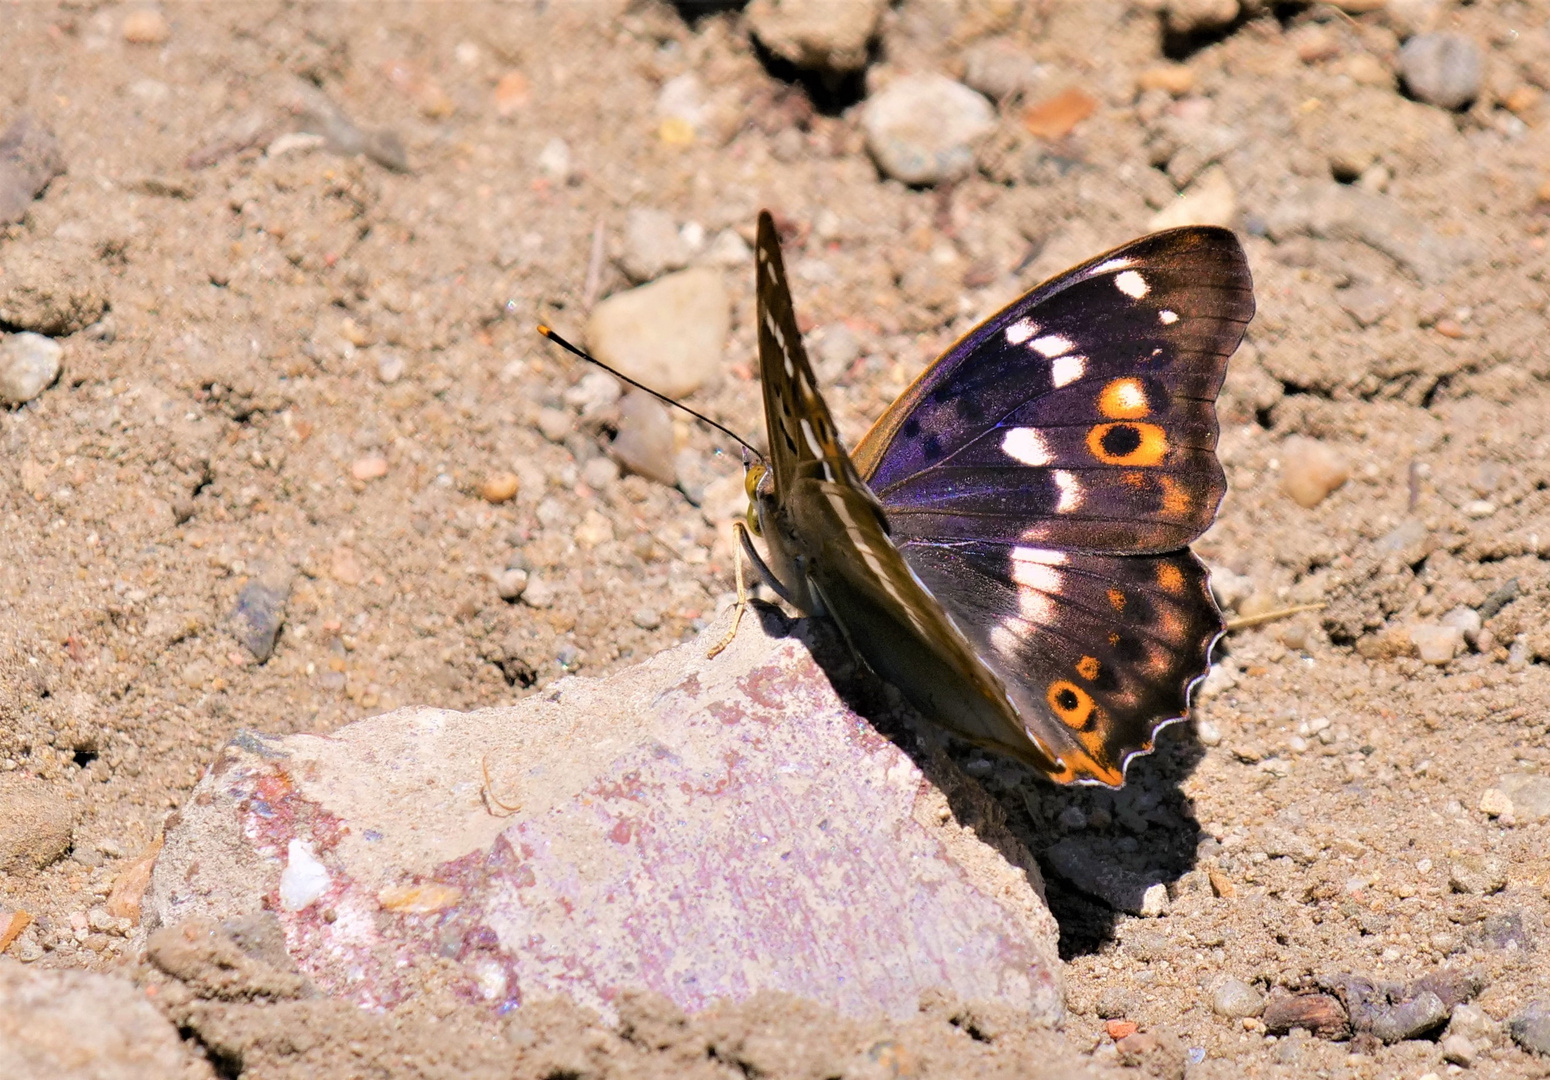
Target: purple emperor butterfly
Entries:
(1008, 544)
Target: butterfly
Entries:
(1008, 544)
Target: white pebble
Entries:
(554, 160)
(304, 879)
(510, 584)
(29, 364)
(921, 129)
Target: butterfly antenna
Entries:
(616, 373)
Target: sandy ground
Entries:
(310, 364)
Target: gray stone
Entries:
(30, 157)
(699, 828)
(1406, 1020)
(1530, 1029)
(921, 129)
(1473, 1023)
(75, 1025)
(260, 610)
(29, 364)
(539, 593)
(652, 245)
(1442, 69)
(511, 583)
(1235, 999)
(998, 69)
(669, 334)
(37, 826)
(816, 33)
(644, 444)
(1367, 304)
(1530, 795)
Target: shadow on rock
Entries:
(1104, 853)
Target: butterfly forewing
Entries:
(1083, 415)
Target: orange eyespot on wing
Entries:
(1128, 444)
(1071, 703)
(1123, 399)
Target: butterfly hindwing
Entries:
(1083, 415)
(1096, 651)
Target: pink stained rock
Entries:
(702, 828)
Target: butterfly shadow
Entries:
(1098, 849)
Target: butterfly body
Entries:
(1007, 546)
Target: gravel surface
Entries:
(294, 262)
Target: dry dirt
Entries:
(221, 423)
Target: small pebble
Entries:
(1476, 509)
(539, 593)
(998, 69)
(390, 367)
(511, 583)
(1208, 733)
(1209, 200)
(1457, 1050)
(645, 443)
(1477, 875)
(669, 334)
(1174, 79)
(816, 33)
(29, 364)
(512, 93)
(30, 157)
(1072, 819)
(555, 424)
(646, 618)
(146, 26)
(1311, 470)
(1436, 644)
(1189, 17)
(1530, 1029)
(1442, 69)
(1236, 999)
(652, 245)
(921, 129)
(554, 160)
(1530, 795)
(599, 473)
(372, 467)
(260, 610)
(1495, 803)
(499, 488)
(681, 109)
(1473, 1023)
(596, 390)
(36, 825)
(1318, 1014)
(1466, 619)
(1230, 588)
(1056, 117)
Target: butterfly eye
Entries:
(751, 477)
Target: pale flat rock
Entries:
(74, 1025)
(1343, 212)
(829, 34)
(705, 829)
(669, 334)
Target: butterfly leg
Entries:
(765, 574)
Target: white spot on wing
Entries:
(1167, 318)
(812, 440)
(1131, 284)
(1043, 556)
(1027, 446)
(1020, 331)
(1112, 265)
(1037, 576)
(1070, 492)
(1067, 369)
(1052, 345)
